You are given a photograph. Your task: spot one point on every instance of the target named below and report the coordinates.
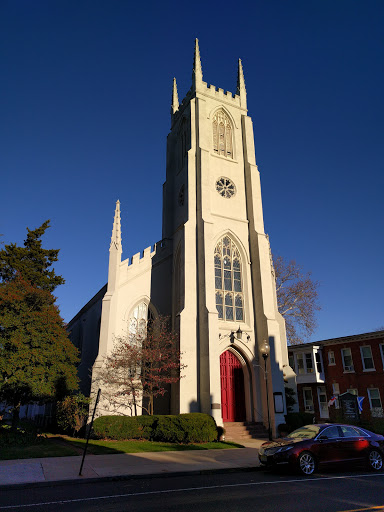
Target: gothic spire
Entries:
(197, 74)
(240, 91)
(116, 230)
(175, 98)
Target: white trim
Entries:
(321, 390)
(381, 345)
(347, 368)
(369, 396)
(308, 408)
(362, 358)
(305, 368)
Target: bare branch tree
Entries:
(297, 299)
(141, 367)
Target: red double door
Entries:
(232, 388)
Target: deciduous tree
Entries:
(297, 299)
(141, 367)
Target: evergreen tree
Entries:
(32, 262)
(36, 355)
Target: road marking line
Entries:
(381, 507)
(148, 493)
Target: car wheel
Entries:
(306, 463)
(375, 460)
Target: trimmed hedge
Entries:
(123, 427)
(182, 428)
(298, 419)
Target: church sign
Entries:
(349, 406)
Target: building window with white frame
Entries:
(336, 393)
(331, 358)
(308, 399)
(382, 352)
(300, 363)
(319, 362)
(304, 363)
(308, 362)
(346, 355)
(375, 402)
(367, 359)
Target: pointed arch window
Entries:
(222, 135)
(138, 323)
(228, 281)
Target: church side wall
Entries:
(84, 332)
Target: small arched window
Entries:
(222, 134)
(228, 281)
(138, 323)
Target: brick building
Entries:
(328, 368)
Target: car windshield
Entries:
(307, 432)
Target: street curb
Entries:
(116, 478)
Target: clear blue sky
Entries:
(84, 106)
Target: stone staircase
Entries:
(237, 430)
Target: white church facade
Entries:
(212, 272)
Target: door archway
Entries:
(232, 387)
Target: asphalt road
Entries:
(235, 492)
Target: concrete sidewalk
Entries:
(47, 471)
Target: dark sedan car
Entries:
(312, 445)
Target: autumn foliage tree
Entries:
(141, 367)
(36, 354)
(297, 299)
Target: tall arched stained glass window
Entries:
(138, 322)
(222, 134)
(228, 281)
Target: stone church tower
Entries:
(212, 271)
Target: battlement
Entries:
(220, 94)
(211, 90)
(140, 258)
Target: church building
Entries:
(212, 271)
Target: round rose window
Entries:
(225, 187)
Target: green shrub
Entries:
(120, 427)
(298, 419)
(220, 433)
(26, 433)
(182, 428)
(283, 428)
(72, 413)
(373, 424)
(186, 428)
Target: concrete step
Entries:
(244, 430)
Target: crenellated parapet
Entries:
(211, 91)
(140, 258)
(141, 261)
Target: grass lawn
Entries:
(99, 447)
(62, 446)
